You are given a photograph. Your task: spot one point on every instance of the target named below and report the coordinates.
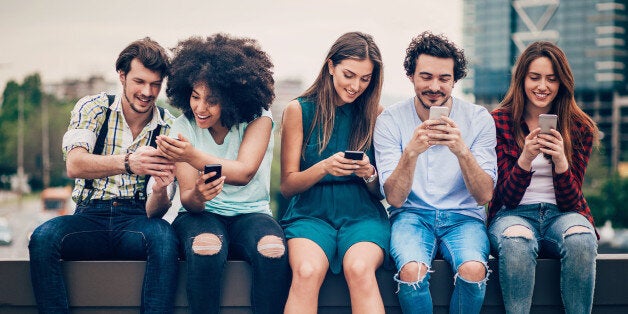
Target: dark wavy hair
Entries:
(436, 46)
(152, 55)
(238, 73)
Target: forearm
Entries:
(399, 184)
(83, 165)
(158, 203)
(477, 181)
(300, 181)
(192, 201)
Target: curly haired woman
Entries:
(224, 86)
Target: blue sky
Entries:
(75, 39)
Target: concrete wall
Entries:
(114, 287)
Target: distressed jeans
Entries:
(549, 237)
(105, 230)
(238, 237)
(418, 236)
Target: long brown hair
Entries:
(357, 46)
(564, 105)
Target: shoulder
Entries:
(293, 108)
(92, 105)
(167, 117)
(401, 107)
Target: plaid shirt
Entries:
(87, 118)
(513, 181)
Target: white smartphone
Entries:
(547, 122)
(438, 111)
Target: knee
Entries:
(206, 244)
(413, 272)
(309, 272)
(580, 239)
(357, 270)
(517, 237)
(472, 271)
(271, 246)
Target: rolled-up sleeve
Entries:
(85, 122)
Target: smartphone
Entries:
(211, 168)
(354, 154)
(547, 122)
(438, 111)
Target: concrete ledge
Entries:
(114, 287)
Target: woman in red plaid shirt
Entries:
(538, 208)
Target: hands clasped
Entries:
(338, 165)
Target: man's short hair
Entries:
(152, 55)
(436, 46)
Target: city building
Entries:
(594, 36)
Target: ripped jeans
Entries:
(207, 239)
(543, 230)
(418, 236)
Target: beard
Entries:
(425, 106)
(133, 106)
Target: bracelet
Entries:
(372, 177)
(127, 167)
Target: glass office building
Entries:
(593, 34)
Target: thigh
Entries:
(78, 237)
(132, 239)
(315, 230)
(465, 239)
(556, 227)
(246, 231)
(369, 230)
(412, 239)
(306, 255)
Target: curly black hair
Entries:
(238, 73)
(437, 46)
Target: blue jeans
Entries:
(418, 236)
(105, 230)
(547, 227)
(236, 237)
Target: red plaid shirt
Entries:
(513, 181)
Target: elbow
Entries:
(484, 198)
(286, 192)
(394, 202)
(71, 171)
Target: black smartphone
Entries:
(354, 154)
(211, 168)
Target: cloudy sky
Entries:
(76, 39)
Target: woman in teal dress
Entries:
(335, 219)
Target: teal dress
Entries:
(336, 212)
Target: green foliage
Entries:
(606, 192)
(58, 118)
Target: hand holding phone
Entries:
(213, 168)
(354, 154)
(438, 111)
(547, 122)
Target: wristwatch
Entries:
(372, 177)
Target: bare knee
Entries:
(309, 272)
(413, 272)
(518, 231)
(206, 244)
(577, 230)
(271, 246)
(472, 271)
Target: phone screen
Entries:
(211, 168)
